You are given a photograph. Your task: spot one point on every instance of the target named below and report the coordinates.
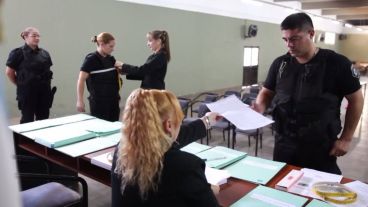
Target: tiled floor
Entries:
(353, 165)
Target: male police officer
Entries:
(307, 86)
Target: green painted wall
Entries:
(207, 50)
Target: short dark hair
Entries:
(297, 21)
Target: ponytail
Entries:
(164, 37)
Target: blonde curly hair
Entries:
(144, 141)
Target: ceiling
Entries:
(354, 12)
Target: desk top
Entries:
(230, 192)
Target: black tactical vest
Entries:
(104, 83)
(302, 109)
(35, 68)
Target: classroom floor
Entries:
(353, 165)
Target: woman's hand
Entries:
(118, 64)
(210, 119)
(80, 106)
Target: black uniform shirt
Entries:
(103, 83)
(340, 77)
(16, 56)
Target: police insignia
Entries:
(354, 72)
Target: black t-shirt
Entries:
(94, 61)
(16, 56)
(103, 80)
(340, 76)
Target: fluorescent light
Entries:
(359, 29)
(348, 25)
(252, 2)
(335, 22)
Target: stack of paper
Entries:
(305, 184)
(362, 191)
(103, 160)
(60, 135)
(91, 145)
(254, 169)
(219, 157)
(318, 203)
(216, 177)
(26, 127)
(239, 114)
(195, 148)
(264, 196)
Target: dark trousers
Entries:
(307, 155)
(105, 108)
(34, 102)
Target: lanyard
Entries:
(334, 192)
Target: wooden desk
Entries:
(230, 192)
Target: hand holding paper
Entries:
(239, 114)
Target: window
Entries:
(250, 56)
(330, 38)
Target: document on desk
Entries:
(219, 157)
(103, 160)
(41, 124)
(195, 148)
(91, 145)
(263, 196)
(99, 126)
(304, 186)
(60, 135)
(362, 191)
(318, 203)
(215, 176)
(254, 169)
(239, 114)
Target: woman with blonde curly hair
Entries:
(149, 169)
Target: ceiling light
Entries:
(348, 25)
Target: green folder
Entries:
(195, 148)
(219, 157)
(318, 203)
(263, 196)
(254, 169)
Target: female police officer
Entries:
(28, 67)
(103, 81)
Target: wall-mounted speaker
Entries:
(251, 31)
(343, 36)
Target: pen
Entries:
(215, 158)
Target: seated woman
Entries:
(149, 169)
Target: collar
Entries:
(28, 49)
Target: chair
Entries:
(44, 191)
(231, 92)
(53, 194)
(209, 97)
(256, 133)
(184, 104)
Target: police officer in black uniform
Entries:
(102, 78)
(28, 67)
(306, 87)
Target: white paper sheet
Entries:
(310, 176)
(362, 190)
(239, 114)
(216, 177)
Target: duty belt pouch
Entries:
(52, 95)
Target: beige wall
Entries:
(355, 47)
(207, 50)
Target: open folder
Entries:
(239, 114)
(219, 157)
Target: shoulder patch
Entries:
(354, 72)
